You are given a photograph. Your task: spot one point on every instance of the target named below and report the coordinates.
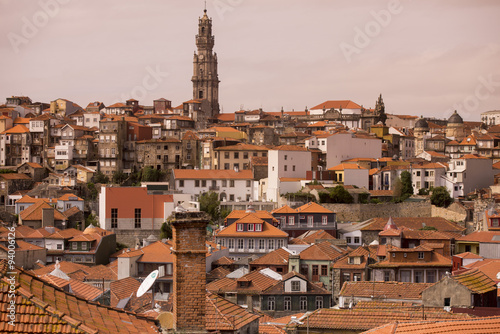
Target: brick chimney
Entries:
(189, 292)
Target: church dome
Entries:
(455, 119)
(421, 123)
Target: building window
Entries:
(231, 183)
(240, 244)
(286, 157)
(387, 276)
(181, 183)
(231, 197)
(286, 167)
(262, 244)
(319, 302)
(224, 182)
(310, 221)
(239, 227)
(291, 220)
(431, 276)
(324, 220)
(419, 277)
(270, 244)
(281, 243)
(348, 240)
(315, 270)
(114, 218)
(251, 227)
(249, 183)
(271, 304)
(295, 285)
(84, 246)
(204, 183)
(288, 304)
(346, 277)
(356, 240)
(59, 246)
(230, 243)
(251, 244)
(303, 303)
(236, 155)
(258, 227)
(74, 246)
(137, 217)
(324, 270)
(196, 183)
(226, 155)
(421, 255)
(356, 277)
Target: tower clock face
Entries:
(201, 57)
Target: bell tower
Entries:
(205, 78)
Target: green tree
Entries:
(166, 231)
(441, 197)
(99, 177)
(209, 203)
(93, 192)
(428, 228)
(150, 174)
(91, 220)
(119, 177)
(340, 195)
(407, 186)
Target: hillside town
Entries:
(337, 218)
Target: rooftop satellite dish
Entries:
(148, 283)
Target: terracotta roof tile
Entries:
(391, 290)
(312, 236)
(222, 315)
(223, 261)
(323, 251)
(476, 281)
(268, 230)
(80, 289)
(415, 223)
(35, 211)
(278, 257)
(47, 308)
(218, 273)
(482, 236)
(312, 207)
(487, 325)
(210, 174)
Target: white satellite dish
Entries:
(147, 283)
(498, 275)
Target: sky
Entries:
(425, 57)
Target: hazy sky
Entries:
(425, 57)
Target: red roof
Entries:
(337, 104)
(211, 174)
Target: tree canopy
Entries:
(441, 197)
(209, 203)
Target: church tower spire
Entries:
(205, 78)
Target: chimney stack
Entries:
(189, 250)
(47, 217)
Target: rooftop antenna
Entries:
(147, 284)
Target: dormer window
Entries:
(421, 255)
(84, 246)
(295, 285)
(258, 227)
(351, 260)
(251, 227)
(239, 227)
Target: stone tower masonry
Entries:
(189, 291)
(205, 78)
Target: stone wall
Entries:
(129, 237)
(454, 212)
(362, 212)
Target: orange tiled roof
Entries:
(268, 230)
(337, 104)
(16, 129)
(278, 257)
(65, 234)
(258, 283)
(222, 315)
(66, 197)
(15, 176)
(210, 174)
(312, 207)
(415, 223)
(123, 288)
(313, 235)
(345, 166)
(49, 308)
(34, 212)
(290, 148)
(476, 281)
(80, 289)
(390, 290)
(468, 255)
(482, 236)
(218, 273)
(242, 147)
(284, 209)
(323, 251)
(223, 261)
(486, 325)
